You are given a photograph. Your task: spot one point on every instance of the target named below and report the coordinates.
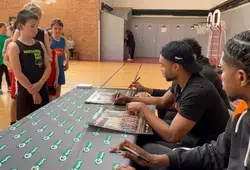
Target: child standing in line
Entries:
(53, 78)
(11, 75)
(60, 46)
(41, 35)
(30, 64)
(72, 44)
(3, 68)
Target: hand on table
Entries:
(119, 98)
(135, 107)
(131, 156)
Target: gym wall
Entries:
(237, 20)
(79, 16)
(152, 33)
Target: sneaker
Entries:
(1, 92)
(129, 59)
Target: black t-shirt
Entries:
(212, 76)
(40, 35)
(200, 102)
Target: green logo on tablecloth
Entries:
(107, 140)
(78, 137)
(55, 100)
(31, 153)
(100, 158)
(124, 135)
(31, 116)
(24, 143)
(39, 164)
(79, 119)
(49, 113)
(77, 165)
(2, 147)
(62, 123)
(80, 97)
(88, 147)
(79, 106)
(65, 109)
(4, 160)
(13, 168)
(74, 102)
(15, 126)
(87, 109)
(69, 130)
(1, 137)
(55, 117)
(56, 145)
(42, 128)
(43, 108)
(36, 122)
(96, 133)
(86, 126)
(60, 105)
(20, 134)
(48, 136)
(116, 165)
(65, 155)
(72, 113)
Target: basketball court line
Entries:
(112, 75)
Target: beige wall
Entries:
(79, 16)
(165, 4)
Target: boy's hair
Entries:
(2, 24)
(24, 16)
(10, 28)
(237, 52)
(57, 21)
(34, 8)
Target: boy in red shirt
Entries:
(52, 82)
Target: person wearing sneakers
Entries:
(130, 44)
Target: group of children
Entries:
(36, 60)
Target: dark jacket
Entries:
(231, 150)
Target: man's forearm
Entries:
(158, 101)
(160, 161)
(148, 90)
(161, 127)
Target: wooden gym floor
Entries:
(100, 74)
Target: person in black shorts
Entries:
(202, 114)
(30, 64)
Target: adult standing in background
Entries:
(130, 44)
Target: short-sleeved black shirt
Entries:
(200, 102)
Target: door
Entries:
(163, 37)
(137, 30)
(149, 40)
(177, 31)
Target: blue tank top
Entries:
(58, 47)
